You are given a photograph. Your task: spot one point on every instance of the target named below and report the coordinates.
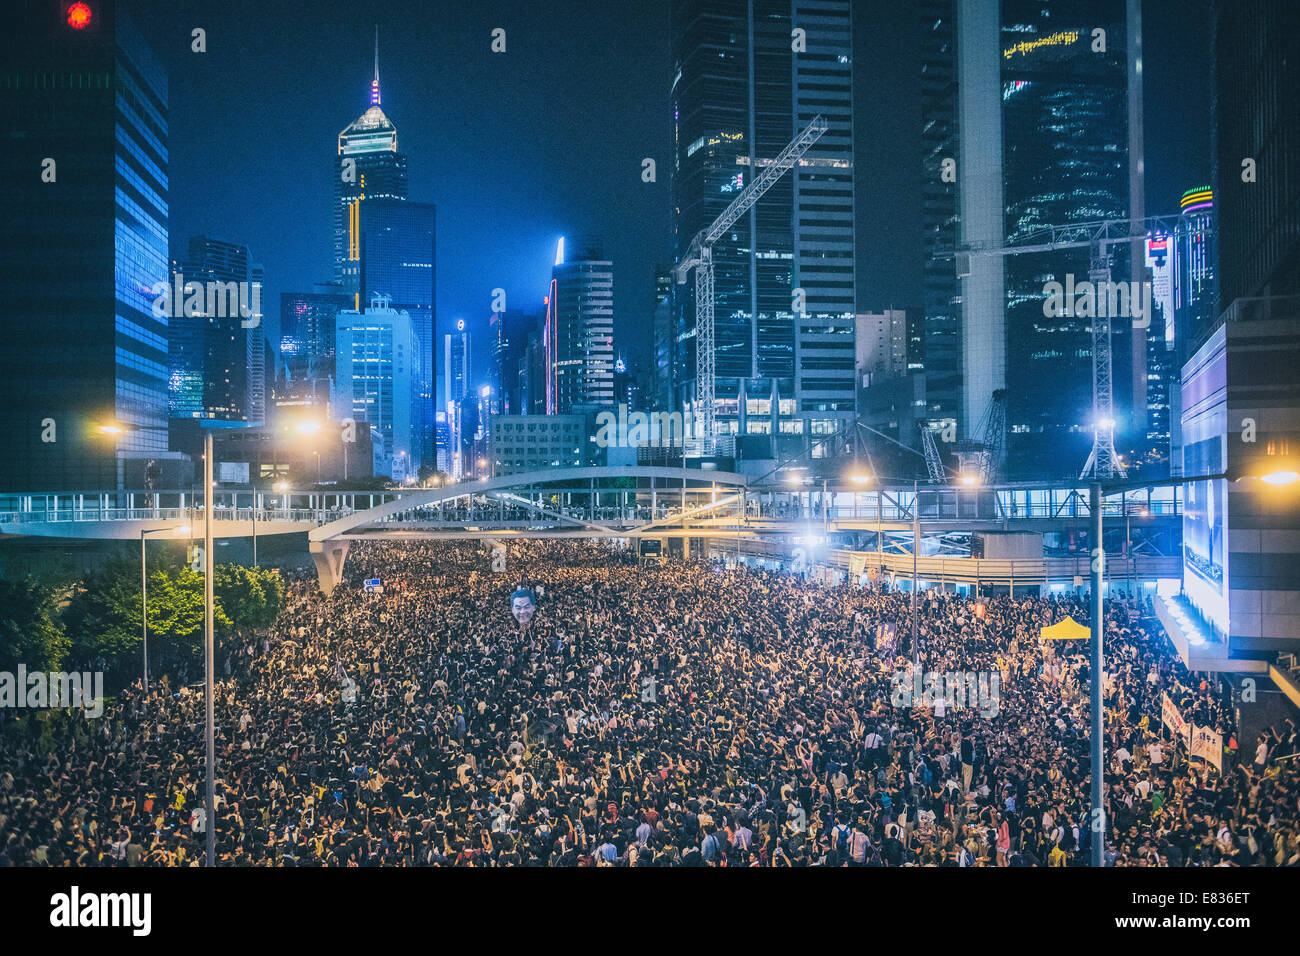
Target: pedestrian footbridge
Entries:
(674, 504)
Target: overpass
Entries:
(664, 503)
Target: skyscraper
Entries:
(367, 166)
(456, 365)
(749, 77)
(1038, 104)
(580, 329)
(83, 181)
(1255, 123)
(307, 333)
(510, 333)
(397, 242)
(939, 212)
(377, 381)
(215, 353)
(1196, 286)
(663, 344)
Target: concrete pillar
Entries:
(328, 557)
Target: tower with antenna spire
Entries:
(368, 165)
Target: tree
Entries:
(102, 617)
(250, 597)
(30, 630)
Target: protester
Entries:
(680, 714)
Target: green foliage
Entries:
(251, 597)
(103, 616)
(30, 630)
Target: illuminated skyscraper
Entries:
(377, 379)
(1038, 105)
(397, 243)
(215, 355)
(741, 93)
(368, 166)
(83, 182)
(581, 330)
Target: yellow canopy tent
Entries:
(1066, 630)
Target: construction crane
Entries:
(933, 463)
(1103, 461)
(699, 256)
(981, 458)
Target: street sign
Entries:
(375, 585)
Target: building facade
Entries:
(367, 165)
(1034, 110)
(523, 443)
(84, 182)
(784, 290)
(215, 348)
(377, 381)
(398, 239)
(580, 330)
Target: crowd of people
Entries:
(665, 714)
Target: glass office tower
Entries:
(368, 166)
(83, 181)
(397, 242)
(740, 94)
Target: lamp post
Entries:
(916, 545)
(209, 802)
(144, 599)
(1097, 820)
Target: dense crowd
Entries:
(682, 714)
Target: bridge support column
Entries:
(329, 557)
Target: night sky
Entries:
(517, 149)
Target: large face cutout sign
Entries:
(523, 605)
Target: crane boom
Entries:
(1103, 460)
(699, 256)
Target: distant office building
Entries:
(307, 321)
(456, 365)
(663, 344)
(455, 447)
(532, 376)
(215, 347)
(523, 443)
(509, 333)
(1256, 53)
(891, 386)
(377, 380)
(882, 343)
(1184, 299)
(83, 181)
(784, 286)
(1196, 288)
(442, 438)
(580, 328)
(1036, 129)
(398, 239)
(367, 166)
(940, 216)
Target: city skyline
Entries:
(504, 199)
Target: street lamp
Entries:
(144, 597)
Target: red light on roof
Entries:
(79, 15)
